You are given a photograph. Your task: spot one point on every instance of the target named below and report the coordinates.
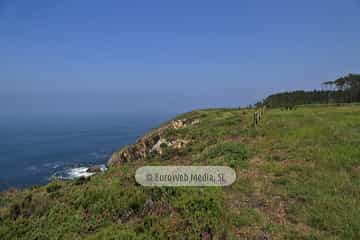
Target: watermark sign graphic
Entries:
(180, 176)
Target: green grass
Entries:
(322, 150)
(247, 217)
(298, 178)
(233, 154)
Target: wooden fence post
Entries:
(258, 115)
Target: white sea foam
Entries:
(77, 172)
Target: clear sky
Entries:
(74, 56)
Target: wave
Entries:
(77, 172)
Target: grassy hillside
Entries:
(298, 178)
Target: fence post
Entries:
(258, 115)
(255, 118)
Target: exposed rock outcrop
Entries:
(158, 147)
(162, 143)
(180, 123)
(152, 142)
(95, 169)
(136, 151)
(178, 143)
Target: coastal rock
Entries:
(175, 144)
(159, 145)
(178, 143)
(195, 122)
(95, 169)
(181, 123)
(178, 123)
(140, 150)
(151, 143)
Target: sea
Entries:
(38, 148)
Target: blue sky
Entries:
(126, 56)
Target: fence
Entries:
(258, 114)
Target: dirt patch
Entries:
(356, 169)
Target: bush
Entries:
(201, 210)
(53, 188)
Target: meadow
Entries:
(298, 177)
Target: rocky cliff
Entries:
(152, 143)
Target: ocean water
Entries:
(35, 149)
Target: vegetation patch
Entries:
(297, 178)
(233, 154)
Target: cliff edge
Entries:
(152, 143)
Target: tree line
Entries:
(342, 90)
